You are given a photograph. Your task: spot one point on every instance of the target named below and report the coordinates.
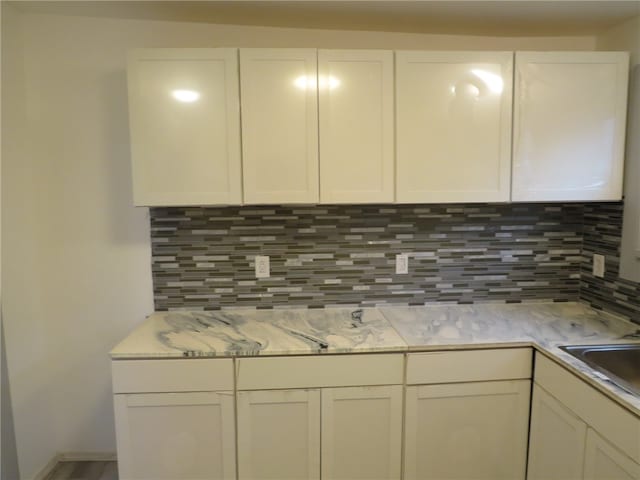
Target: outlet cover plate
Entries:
(598, 265)
(402, 264)
(262, 266)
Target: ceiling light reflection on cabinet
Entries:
(303, 82)
(493, 82)
(185, 96)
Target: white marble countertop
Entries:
(250, 332)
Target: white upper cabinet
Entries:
(569, 124)
(279, 125)
(355, 89)
(185, 126)
(453, 126)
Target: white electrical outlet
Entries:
(598, 265)
(262, 266)
(402, 263)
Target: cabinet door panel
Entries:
(453, 126)
(604, 462)
(279, 435)
(175, 436)
(467, 430)
(185, 126)
(279, 125)
(356, 126)
(557, 440)
(361, 433)
(569, 124)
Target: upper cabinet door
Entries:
(185, 126)
(279, 125)
(570, 111)
(355, 89)
(453, 124)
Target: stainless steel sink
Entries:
(620, 363)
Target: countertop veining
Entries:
(250, 332)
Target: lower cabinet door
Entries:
(279, 435)
(467, 431)
(556, 440)
(361, 433)
(175, 436)
(604, 462)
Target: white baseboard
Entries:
(48, 468)
(74, 457)
(87, 457)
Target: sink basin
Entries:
(620, 363)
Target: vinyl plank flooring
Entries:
(84, 471)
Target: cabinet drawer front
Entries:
(469, 366)
(326, 371)
(149, 376)
(616, 424)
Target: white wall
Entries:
(626, 36)
(76, 270)
(11, 58)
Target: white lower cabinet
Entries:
(279, 434)
(467, 430)
(577, 432)
(557, 439)
(335, 417)
(604, 461)
(280, 431)
(361, 433)
(340, 417)
(177, 436)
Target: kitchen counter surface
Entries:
(250, 332)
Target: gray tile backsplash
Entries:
(329, 255)
(602, 234)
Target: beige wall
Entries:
(12, 127)
(76, 254)
(625, 36)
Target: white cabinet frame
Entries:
(247, 400)
(357, 397)
(355, 91)
(124, 404)
(604, 461)
(171, 160)
(550, 130)
(463, 85)
(279, 125)
(556, 452)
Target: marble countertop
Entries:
(250, 332)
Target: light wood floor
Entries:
(84, 471)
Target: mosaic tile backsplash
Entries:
(345, 255)
(602, 232)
